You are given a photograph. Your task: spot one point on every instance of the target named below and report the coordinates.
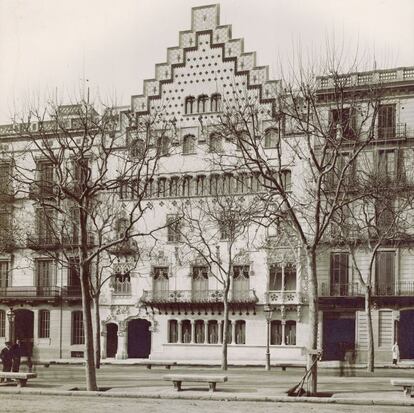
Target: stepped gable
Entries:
(208, 60)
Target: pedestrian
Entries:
(6, 358)
(395, 354)
(16, 356)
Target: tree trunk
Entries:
(90, 371)
(312, 363)
(225, 326)
(97, 332)
(370, 354)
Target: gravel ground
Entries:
(70, 404)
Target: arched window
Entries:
(172, 331)
(229, 330)
(162, 187)
(2, 323)
(241, 274)
(186, 331)
(290, 333)
(163, 145)
(188, 144)
(121, 283)
(215, 143)
(44, 324)
(201, 185)
(174, 183)
(186, 188)
(199, 331)
(215, 102)
(199, 283)
(271, 138)
(202, 103)
(212, 332)
(276, 333)
(189, 104)
(240, 332)
(214, 184)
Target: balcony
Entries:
(396, 289)
(71, 241)
(126, 248)
(398, 131)
(42, 191)
(341, 290)
(169, 297)
(29, 293)
(72, 292)
(42, 243)
(284, 297)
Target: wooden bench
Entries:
(153, 363)
(177, 379)
(406, 384)
(21, 378)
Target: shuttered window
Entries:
(385, 272)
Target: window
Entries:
(45, 226)
(282, 277)
(286, 179)
(160, 282)
(342, 123)
(5, 179)
(163, 145)
(162, 187)
(77, 334)
(276, 333)
(5, 230)
(199, 331)
(385, 272)
(215, 144)
(173, 228)
(240, 332)
(74, 284)
(227, 226)
(199, 283)
(241, 281)
(45, 175)
(172, 331)
(271, 138)
(137, 148)
(186, 186)
(202, 103)
(243, 183)
(44, 324)
(186, 331)
(2, 323)
(45, 273)
(290, 333)
(4, 274)
(188, 144)
(386, 122)
(339, 274)
(121, 283)
(189, 104)
(81, 171)
(215, 181)
(229, 184)
(215, 102)
(212, 332)
(229, 331)
(384, 216)
(174, 183)
(344, 170)
(387, 164)
(201, 185)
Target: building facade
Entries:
(165, 305)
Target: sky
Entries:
(50, 47)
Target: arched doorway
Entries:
(111, 339)
(23, 330)
(139, 339)
(406, 334)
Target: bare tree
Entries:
(378, 219)
(217, 233)
(316, 128)
(75, 167)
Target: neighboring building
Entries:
(164, 308)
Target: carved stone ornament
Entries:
(280, 256)
(242, 258)
(159, 259)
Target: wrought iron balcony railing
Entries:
(398, 131)
(30, 292)
(38, 242)
(398, 288)
(194, 296)
(284, 297)
(71, 291)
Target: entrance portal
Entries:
(338, 335)
(111, 339)
(406, 334)
(139, 339)
(23, 330)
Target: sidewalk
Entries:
(244, 384)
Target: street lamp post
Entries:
(11, 317)
(268, 311)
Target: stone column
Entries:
(283, 332)
(193, 332)
(103, 340)
(179, 331)
(122, 352)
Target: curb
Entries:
(215, 397)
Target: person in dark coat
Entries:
(16, 356)
(6, 357)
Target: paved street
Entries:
(133, 380)
(40, 404)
